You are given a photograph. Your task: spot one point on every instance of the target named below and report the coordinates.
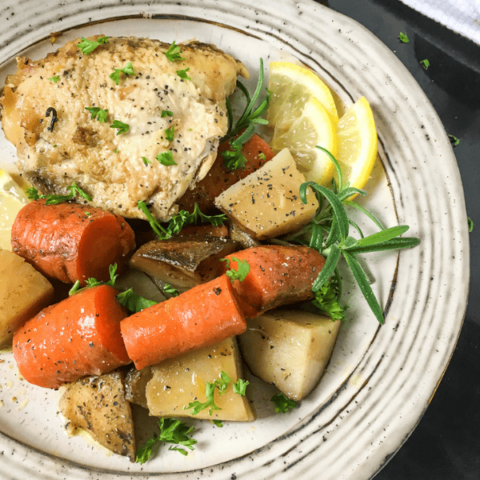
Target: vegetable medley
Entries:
(152, 303)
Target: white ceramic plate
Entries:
(380, 380)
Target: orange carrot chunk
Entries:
(71, 242)
(77, 337)
(218, 179)
(278, 276)
(204, 315)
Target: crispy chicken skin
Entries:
(109, 166)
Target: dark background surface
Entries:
(446, 444)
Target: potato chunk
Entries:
(267, 202)
(181, 380)
(289, 348)
(136, 385)
(23, 293)
(98, 406)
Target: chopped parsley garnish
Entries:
(183, 74)
(180, 220)
(234, 159)
(170, 133)
(243, 268)
(222, 384)
(74, 190)
(403, 38)
(133, 302)
(241, 387)
(166, 158)
(127, 70)
(88, 214)
(282, 403)
(171, 431)
(262, 156)
(98, 113)
(327, 299)
(425, 63)
(93, 282)
(218, 423)
(146, 161)
(454, 140)
(471, 225)
(166, 113)
(88, 46)
(122, 127)
(170, 290)
(173, 53)
(54, 79)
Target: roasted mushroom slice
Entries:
(98, 406)
(183, 262)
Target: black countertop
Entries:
(445, 445)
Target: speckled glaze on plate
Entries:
(380, 379)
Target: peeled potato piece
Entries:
(289, 349)
(267, 203)
(178, 381)
(98, 406)
(23, 293)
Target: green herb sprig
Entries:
(73, 190)
(133, 302)
(122, 127)
(98, 113)
(174, 53)
(222, 384)
(403, 37)
(282, 403)
(166, 158)
(88, 46)
(183, 74)
(247, 122)
(240, 387)
(170, 290)
(93, 282)
(180, 220)
(171, 431)
(54, 79)
(329, 234)
(243, 269)
(127, 70)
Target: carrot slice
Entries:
(202, 316)
(279, 275)
(64, 242)
(218, 179)
(77, 337)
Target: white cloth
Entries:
(461, 16)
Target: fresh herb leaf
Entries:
(171, 431)
(133, 302)
(73, 190)
(425, 63)
(166, 113)
(170, 290)
(222, 384)
(127, 70)
(282, 403)
(180, 220)
(93, 282)
(169, 133)
(262, 156)
(98, 113)
(234, 159)
(243, 268)
(218, 423)
(240, 387)
(54, 79)
(88, 214)
(471, 225)
(327, 299)
(146, 161)
(166, 158)
(122, 127)
(454, 140)
(403, 38)
(173, 53)
(183, 74)
(88, 46)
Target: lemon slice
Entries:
(311, 128)
(357, 143)
(292, 86)
(12, 199)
